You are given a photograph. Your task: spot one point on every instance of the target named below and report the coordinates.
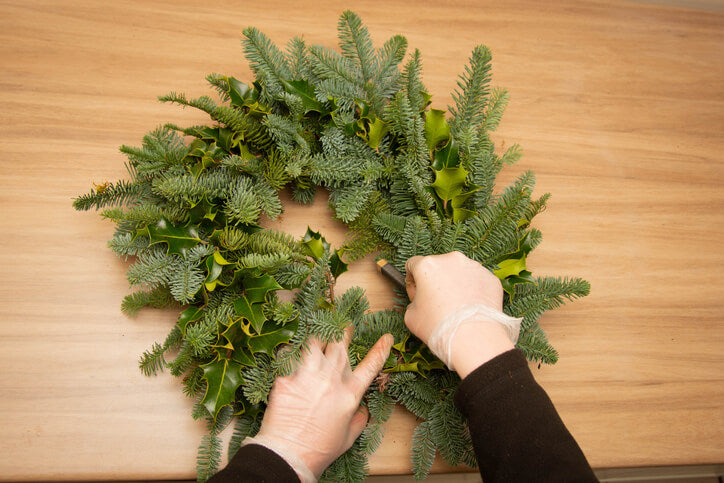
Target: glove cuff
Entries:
(440, 342)
(304, 473)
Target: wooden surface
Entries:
(619, 108)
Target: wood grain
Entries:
(620, 110)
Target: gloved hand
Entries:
(314, 414)
(456, 310)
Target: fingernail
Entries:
(390, 339)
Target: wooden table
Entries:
(620, 110)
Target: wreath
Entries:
(405, 178)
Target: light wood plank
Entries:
(619, 108)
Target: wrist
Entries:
(300, 462)
(477, 342)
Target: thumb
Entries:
(372, 364)
(357, 425)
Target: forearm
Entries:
(517, 432)
(256, 464)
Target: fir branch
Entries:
(266, 60)
(388, 60)
(494, 110)
(193, 382)
(185, 282)
(356, 45)
(162, 148)
(107, 194)
(158, 298)
(208, 458)
(268, 199)
(153, 268)
(152, 360)
(258, 380)
(242, 205)
(471, 96)
(534, 344)
(125, 245)
(247, 426)
(423, 450)
(411, 80)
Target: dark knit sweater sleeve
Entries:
(517, 432)
(254, 463)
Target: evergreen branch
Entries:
(258, 380)
(242, 205)
(125, 245)
(388, 59)
(534, 344)
(411, 80)
(107, 194)
(208, 458)
(158, 298)
(247, 426)
(471, 96)
(266, 60)
(153, 268)
(423, 450)
(356, 45)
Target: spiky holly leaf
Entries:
(447, 157)
(222, 378)
(192, 314)
(256, 288)
(437, 130)
(178, 238)
(304, 90)
(314, 244)
(214, 266)
(449, 182)
(251, 312)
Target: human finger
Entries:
(357, 425)
(336, 352)
(372, 364)
(410, 267)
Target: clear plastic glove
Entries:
(441, 287)
(314, 414)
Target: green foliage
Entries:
(158, 298)
(405, 179)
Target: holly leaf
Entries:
(437, 129)
(202, 210)
(178, 238)
(511, 266)
(449, 182)
(509, 283)
(238, 91)
(198, 148)
(192, 314)
(376, 131)
(214, 266)
(304, 90)
(447, 157)
(250, 311)
(272, 335)
(257, 288)
(459, 213)
(243, 356)
(222, 377)
(336, 265)
(314, 244)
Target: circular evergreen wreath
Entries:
(404, 178)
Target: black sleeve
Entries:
(516, 431)
(254, 463)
